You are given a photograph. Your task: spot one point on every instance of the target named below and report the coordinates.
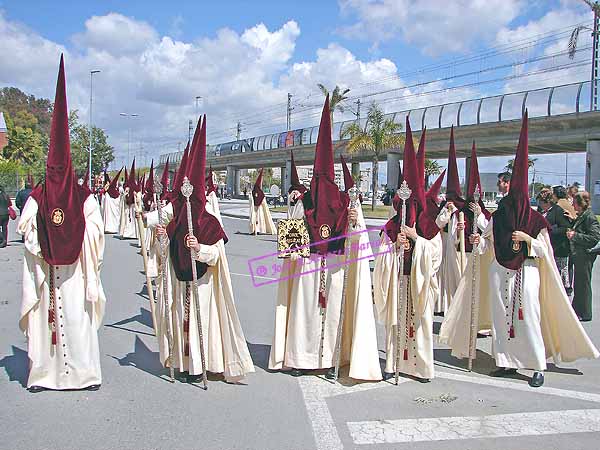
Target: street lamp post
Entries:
(128, 130)
(92, 72)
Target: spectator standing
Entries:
(21, 199)
(560, 195)
(503, 183)
(556, 217)
(5, 205)
(584, 235)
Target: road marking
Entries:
(487, 381)
(475, 427)
(251, 276)
(315, 391)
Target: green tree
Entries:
(335, 100)
(511, 162)
(24, 145)
(431, 168)
(380, 134)
(102, 152)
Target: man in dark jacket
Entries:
(555, 215)
(5, 203)
(584, 235)
(21, 199)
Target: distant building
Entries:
(3, 132)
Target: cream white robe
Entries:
(549, 327)
(111, 213)
(450, 270)
(225, 346)
(423, 290)
(212, 206)
(74, 363)
(260, 220)
(297, 335)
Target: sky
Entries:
(243, 58)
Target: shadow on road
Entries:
(260, 354)
(16, 366)
(144, 359)
(144, 317)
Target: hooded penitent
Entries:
(148, 197)
(132, 184)
(348, 180)
(421, 155)
(60, 199)
(210, 185)
(474, 183)
(207, 228)
(164, 180)
(295, 184)
(257, 193)
(113, 188)
(325, 207)
(514, 212)
(416, 209)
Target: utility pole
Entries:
(289, 112)
(358, 110)
(595, 55)
(239, 130)
(190, 126)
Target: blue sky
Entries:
(243, 57)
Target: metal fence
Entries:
(543, 102)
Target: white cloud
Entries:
(116, 34)
(435, 27)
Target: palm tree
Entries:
(379, 134)
(336, 99)
(511, 162)
(432, 167)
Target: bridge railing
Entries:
(543, 102)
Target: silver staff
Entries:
(186, 190)
(474, 303)
(142, 233)
(404, 194)
(163, 242)
(353, 194)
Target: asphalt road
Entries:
(137, 408)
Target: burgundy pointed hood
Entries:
(325, 208)
(132, 185)
(453, 192)
(148, 197)
(431, 196)
(113, 188)
(295, 184)
(164, 180)
(348, 180)
(207, 228)
(421, 154)
(257, 193)
(60, 199)
(514, 212)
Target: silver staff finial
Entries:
(187, 188)
(404, 191)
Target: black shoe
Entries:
(330, 375)
(423, 380)
(296, 372)
(502, 372)
(195, 378)
(93, 387)
(182, 377)
(537, 380)
(36, 389)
